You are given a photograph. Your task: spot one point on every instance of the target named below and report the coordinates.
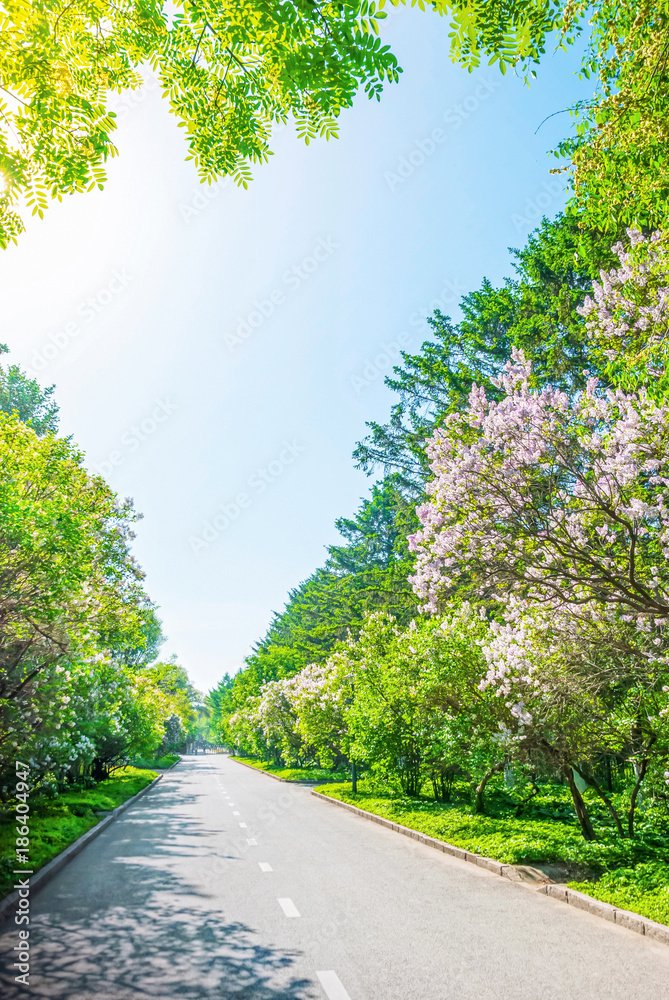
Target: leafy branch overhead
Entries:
(233, 71)
(229, 70)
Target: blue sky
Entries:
(217, 352)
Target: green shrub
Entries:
(161, 764)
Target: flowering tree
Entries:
(319, 695)
(557, 507)
(89, 716)
(267, 723)
(627, 315)
(551, 497)
(583, 687)
(242, 728)
(299, 717)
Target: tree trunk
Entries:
(528, 798)
(579, 806)
(412, 773)
(606, 800)
(479, 802)
(635, 793)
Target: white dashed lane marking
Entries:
(288, 907)
(244, 826)
(265, 866)
(332, 985)
(252, 843)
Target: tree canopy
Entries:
(230, 71)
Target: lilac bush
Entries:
(550, 498)
(627, 315)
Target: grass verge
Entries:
(643, 889)
(631, 874)
(57, 822)
(294, 773)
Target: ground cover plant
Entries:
(295, 773)
(57, 820)
(643, 889)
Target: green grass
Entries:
(295, 773)
(57, 822)
(643, 889)
(632, 874)
(157, 765)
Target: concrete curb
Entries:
(624, 918)
(45, 874)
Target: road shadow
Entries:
(127, 954)
(119, 924)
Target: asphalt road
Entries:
(223, 883)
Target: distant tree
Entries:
(186, 702)
(367, 573)
(24, 397)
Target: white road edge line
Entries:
(288, 907)
(265, 866)
(332, 985)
